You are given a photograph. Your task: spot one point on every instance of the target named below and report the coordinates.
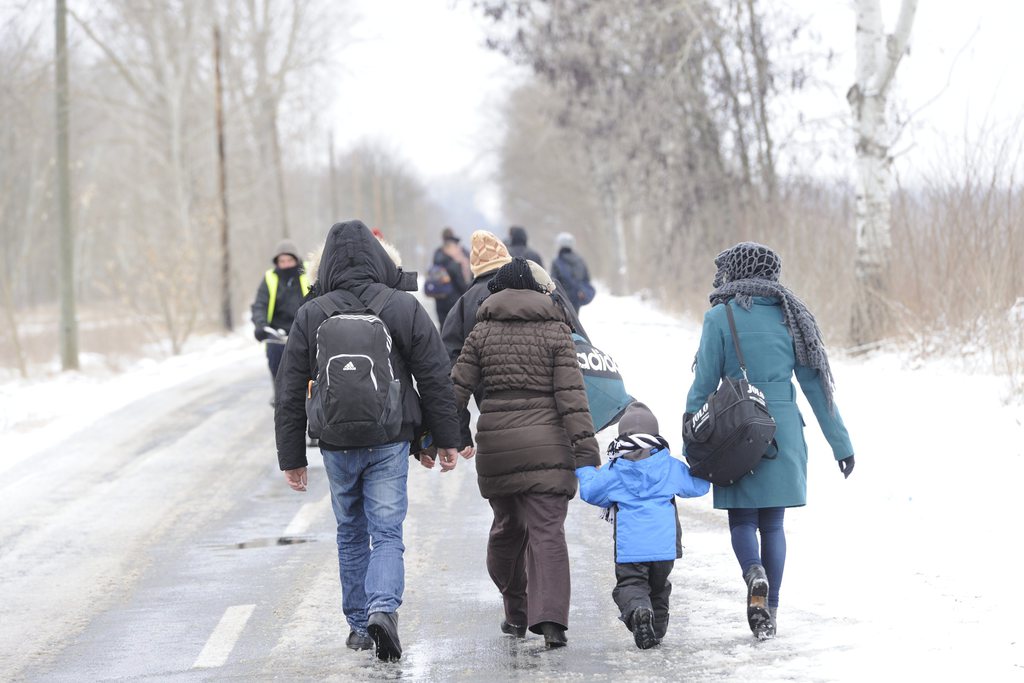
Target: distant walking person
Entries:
(448, 278)
(534, 430)
(517, 245)
(779, 338)
(353, 354)
(571, 272)
(278, 298)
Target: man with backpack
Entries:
(449, 276)
(570, 270)
(348, 367)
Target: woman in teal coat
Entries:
(779, 338)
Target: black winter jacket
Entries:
(289, 299)
(353, 259)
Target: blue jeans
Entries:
(744, 523)
(369, 497)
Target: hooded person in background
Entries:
(570, 270)
(278, 298)
(368, 480)
(517, 245)
(454, 259)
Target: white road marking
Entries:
(304, 517)
(222, 640)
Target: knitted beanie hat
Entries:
(514, 275)
(542, 277)
(488, 253)
(285, 246)
(638, 419)
(745, 261)
(565, 240)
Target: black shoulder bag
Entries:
(729, 435)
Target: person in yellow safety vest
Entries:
(280, 294)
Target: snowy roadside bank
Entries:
(36, 413)
(906, 568)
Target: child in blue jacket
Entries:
(639, 485)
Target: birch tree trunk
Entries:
(878, 56)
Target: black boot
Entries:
(641, 622)
(513, 630)
(358, 641)
(383, 628)
(758, 617)
(554, 634)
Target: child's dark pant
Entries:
(644, 584)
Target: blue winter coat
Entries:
(771, 363)
(645, 523)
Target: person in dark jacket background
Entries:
(570, 270)
(517, 245)
(368, 481)
(278, 298)
(638, 487)
(534, 431)
(455, 260)
(779, 339)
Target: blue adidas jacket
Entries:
(645, 523)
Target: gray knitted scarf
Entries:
(750, 269)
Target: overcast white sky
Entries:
(423, 83)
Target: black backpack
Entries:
(355, 401)
(730, 433)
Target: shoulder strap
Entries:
(330, 307)
(378, 302)
(736, 340)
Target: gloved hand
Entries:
(846, 466)
(260, 334)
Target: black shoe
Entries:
(383, 628)
(774, 613)
(358, 641)
(758, 617)
(554, 634)
(513, 630)
(642, 622)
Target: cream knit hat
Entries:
(488, 253)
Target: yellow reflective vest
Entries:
(272, 280)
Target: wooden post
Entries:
(68, 317)
(225, 241)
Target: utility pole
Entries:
(333, 180)
(225, 241)
(68, 319)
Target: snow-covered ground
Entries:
(912, 558)
(35, 413)
(906, 570)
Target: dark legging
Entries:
(744, 523)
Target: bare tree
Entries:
(878, 56)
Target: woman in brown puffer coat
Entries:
(533, 432)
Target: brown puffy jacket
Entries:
(535, 427)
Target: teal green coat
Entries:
(771, 363)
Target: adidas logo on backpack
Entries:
(355, 400)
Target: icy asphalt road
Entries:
(162, 543)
